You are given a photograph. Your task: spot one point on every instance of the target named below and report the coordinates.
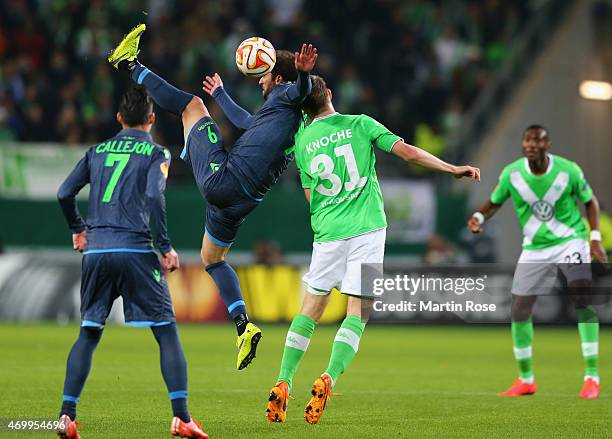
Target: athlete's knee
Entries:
(91, 333)
(314, 306)
(195, 108)
(209, 258)
(522, 307)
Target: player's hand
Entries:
(79, 240)
(474, 226)
(467, 171)
(210, 84)
(170, 261)
(305, 60)
(598, 253)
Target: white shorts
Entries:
(538, 271)
(337, 264)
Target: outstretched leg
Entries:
(185, 105)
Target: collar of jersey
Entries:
(550, 165)
(135, 133)
(324, 117)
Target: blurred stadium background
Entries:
(460, 78)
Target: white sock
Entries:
(594, 378)
(529, 380)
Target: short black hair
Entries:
(316, 101)
(536, 126)
(285, 66)
(135, 106)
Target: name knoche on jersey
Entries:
(144, 148)
(326, 140)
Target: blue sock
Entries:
(173, 367)
(227, 281)
(164, 94)
(78, 367)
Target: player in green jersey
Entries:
(544, 189)
(335, 156)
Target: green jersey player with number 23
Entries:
(544, 189)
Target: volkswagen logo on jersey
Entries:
(543, 210)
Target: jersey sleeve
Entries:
(66, 194)
(379, 134)
(502, 190)
(156, 201)
(580, 186)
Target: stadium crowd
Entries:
(416, 66)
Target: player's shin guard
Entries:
(174, 368)
(78, 367)
(346, 345)
(164, 94)
(229, 288)
(522, 337)
(297, 341)
(588, 328)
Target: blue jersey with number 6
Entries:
(127, 177)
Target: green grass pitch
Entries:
(406, 381)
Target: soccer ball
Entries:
(255, 57)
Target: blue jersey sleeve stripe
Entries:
(92, 324)
(118, 250)
(217, 241)
(235, 305)
(178, 394)
(143, 75)
(147, 323)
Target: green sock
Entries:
(346, 345)
(296, 343)
(522, 336)
(588, 328)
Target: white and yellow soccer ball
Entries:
(255, 57)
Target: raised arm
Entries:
(237, 115)
(304, 63)
(66, 195)
(430, 161)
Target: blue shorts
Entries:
(228, 202)
(136, 277)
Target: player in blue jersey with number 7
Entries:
(127, 178)
(233, 182)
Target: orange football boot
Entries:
(67, 428)
(520, 388)
(321, 391)
(590, 389)
(187, 429)
(277, 403)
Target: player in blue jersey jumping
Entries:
(234, 182)
(127, 178)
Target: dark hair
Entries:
(135, 106)
(285, 66)
(316, 101)
(536, 127)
